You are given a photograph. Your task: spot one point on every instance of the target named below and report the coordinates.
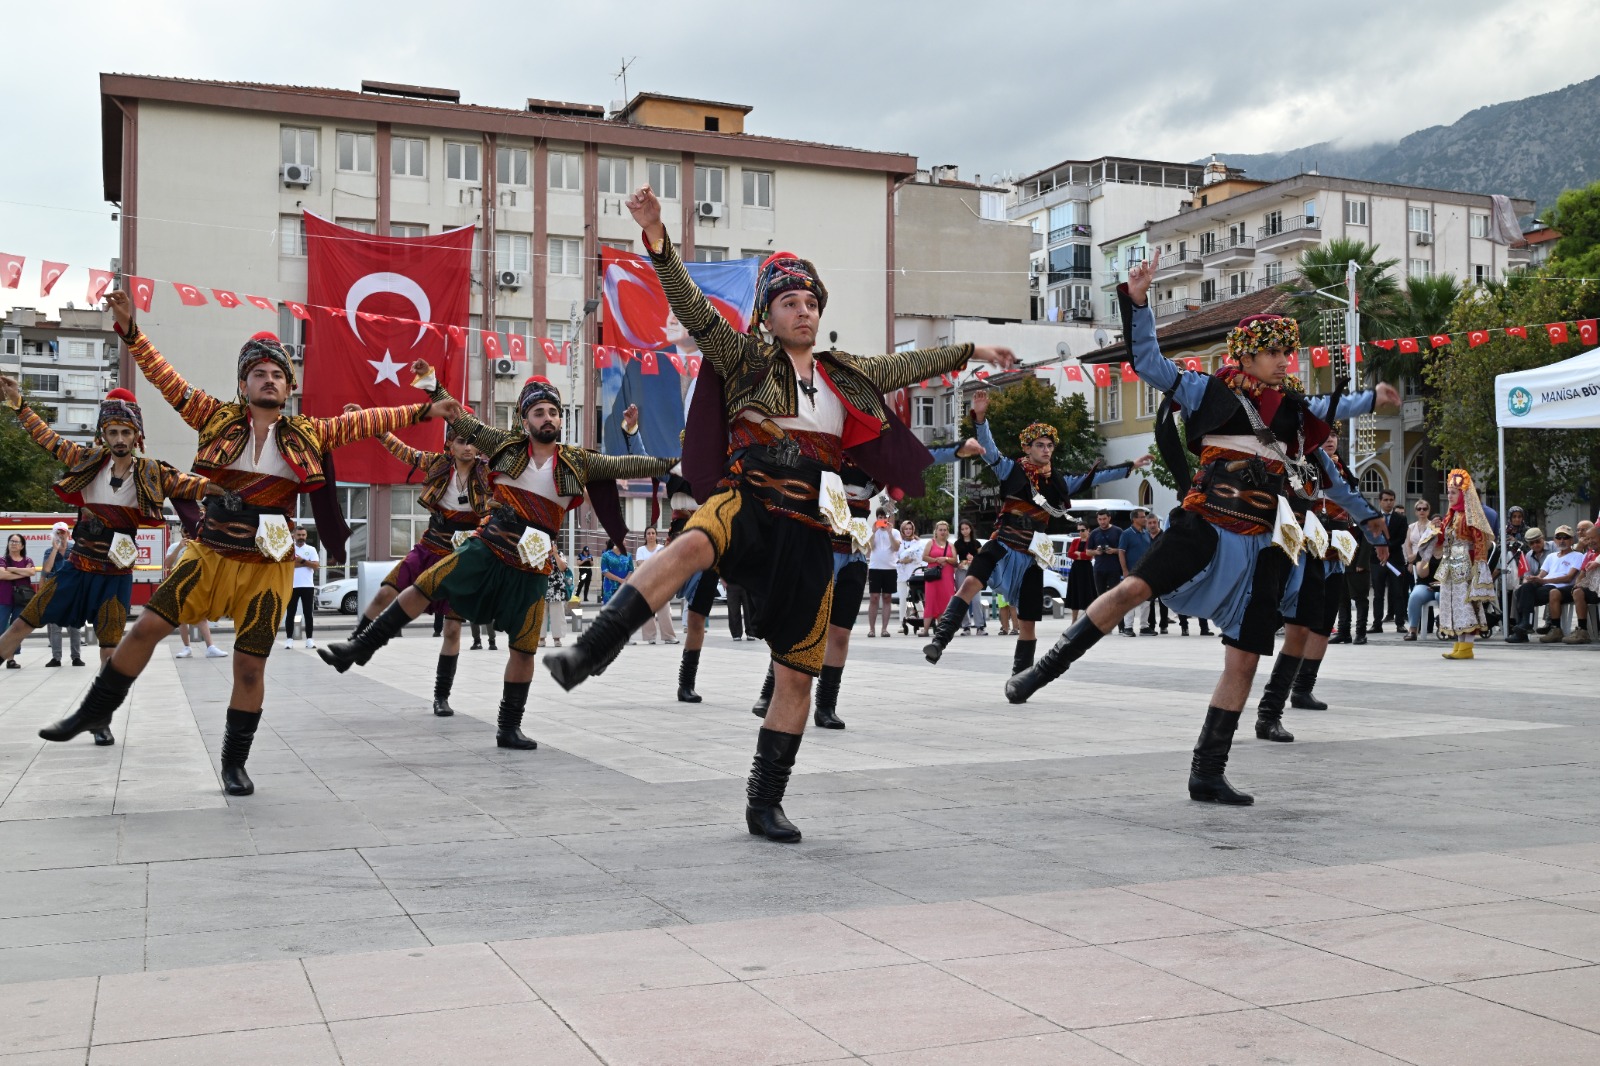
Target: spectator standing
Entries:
(615, 566)
(659, 624)
(16, 585)
(881, 573)
(174, 553)
(967, 545)
(1131, 546)
(739, 611)
(306, 561)
(939, 574)
(558, 590)
(55, 561)
(1081, 589)
(1152, 526)
(1105, 542)
(1389, 584)
(585, 572)
(907, 559)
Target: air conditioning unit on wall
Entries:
(297, 174)
(512, 279)
(504, 368)
(709, 209)
(1424, 238)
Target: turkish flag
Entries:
(225, 298)
(1294, 363)
(298, 310)
(517, 347)
(1102, 375)
(1558, 332)
(1476, 337)
(552, 351)
(99, 284)
(11, 269)
(1409, 345)
(141, 291)
(693, 363)
(261, 302)
(49, 274)
(405, 283)
(1193, 364)
(1352, 352)
(491, 345)
(1127, 372)
(1387, 345)
(677, 362)
(1320, 357)
(563, 354)
(191, 296)
(1517, 331)
(1074, 373)
(1439, 340)
(602, 356)
(1587, 330)
(648, 363)
(981, 375)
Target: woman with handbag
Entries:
(939, 574)
(16, 585)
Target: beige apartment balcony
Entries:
(1230, 251)
(1289, 234)
(1172, 268)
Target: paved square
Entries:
(1418, 882)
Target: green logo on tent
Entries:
(1519, 401)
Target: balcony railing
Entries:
(1070, 274)
(1285, 278)
(1173, 265)
(1230, 243)
(1176, 307)
(1073, 231)
(1291, 225)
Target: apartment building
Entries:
(1068, 204)
(65, 365)
(1235, 236)
(213, 179)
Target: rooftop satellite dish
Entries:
(1063, 349)
(1101, 337)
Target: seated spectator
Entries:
(1556, 574)
(1586, 585)
(1530, 592)
(1517, 526)
(1423, 540)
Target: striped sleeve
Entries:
(48, 439)
(406, 453)
(368, 422)
(176, 485)
(726, 347)
(193, 405)
(599, 467)
(488, 440)
(899, 370)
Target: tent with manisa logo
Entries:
(1564, 395)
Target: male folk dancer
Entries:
(1311, 600)
(455, 493)
(699, 592)
(499, 575)
(1031, 493)
(116, 491)
(240, 563)
(793, 413)
(1254, 433)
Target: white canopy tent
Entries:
(1564, 395)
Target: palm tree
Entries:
(1423, 312)
(1323, 268)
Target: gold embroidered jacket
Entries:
(437, 468)
(758, 375)
(154, 481)
(507, 453)
(224, 425)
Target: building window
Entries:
(1482, 273)
(291, 330)
(703, 254)
(1274, 273)
(291, 235)
(556, 330)
(566, 256)
(1236, 237)
(41, 382)
(1416, 477)
(1355, 212)
(80, 349)
(922, 412)
(355, 152)
(408, 157)
(474, 335)
(613, 176)
(1208, 243)
(298, 145)
(1274, 223)
(1419, 268)
(1238, 284)
(1480, 225)
(620, 246)
(1111, 400)
(512, 252)
(1419, 220)
(461, 161)
(758, 188)
(1112, 308)
(664, 180)
(407, 229)
(360, 225)
(947, 408)
(1208, 290)
(511, 166)
(1149, 400)
(708, 184)
(566, 171)
(1310, 212)
(1372, 483)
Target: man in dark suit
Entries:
(1385, 581)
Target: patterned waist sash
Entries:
(1238, 491)
(231, 522)
(513, 512)
(1019, 520)
(784, 472)
(440, 536)
(97, 525)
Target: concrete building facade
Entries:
(65, 365)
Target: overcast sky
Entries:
(1010, 88)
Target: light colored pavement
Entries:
(979, 883)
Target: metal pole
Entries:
(1505, 539)
(568, 431)
(1352, 338)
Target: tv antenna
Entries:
(622, 76)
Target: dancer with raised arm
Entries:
(791, 414)
(1231, 544)
(498, 575)
(240, 564)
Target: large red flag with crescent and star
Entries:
(394, 301)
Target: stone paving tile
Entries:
(60, 843)
(788, 946)
(205, 999)
(1423, 949)
(1384, 887)
(898, 1008)
(505, 1035)
(1241, 1038)
(46, 1015)
(280, 942)
(1106, 915)
(544, 920)
(562, 968)
(1051, 1049)
(300, 1045)
(1443, 1027)
(1251, 901)
(412, 981)
(938, 931)
(1570, 996)
(72, 928)
(1534, 923)
(93, 888)
(85, 959)
(1503, 873)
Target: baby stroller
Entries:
(911, 610)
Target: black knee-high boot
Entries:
(1207, 782)
(361, 647)
(688, 670)
(828, 698)
(443, 681)
(944, 628)
(236, 740)
(763, 701)
(1269, 712)
(105, 695)
(1022, 655)
(769, 778)
(1078, 639)
(513, 701)
(1304, 681)
(601, 641)
(1361, 620)
(361, 623)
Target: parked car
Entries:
(338, 596)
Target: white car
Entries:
(338, 596)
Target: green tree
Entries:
(1159, 469)
(1577, 218)
(26, 471)
(1543, 466)
(1323, 268)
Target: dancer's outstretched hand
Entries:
(646, 211)
(1140, 275)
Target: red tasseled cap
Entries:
(122, 394)
(537, 379)
(266, 335)
(777, 255)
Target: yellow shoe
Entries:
(1462, 650)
